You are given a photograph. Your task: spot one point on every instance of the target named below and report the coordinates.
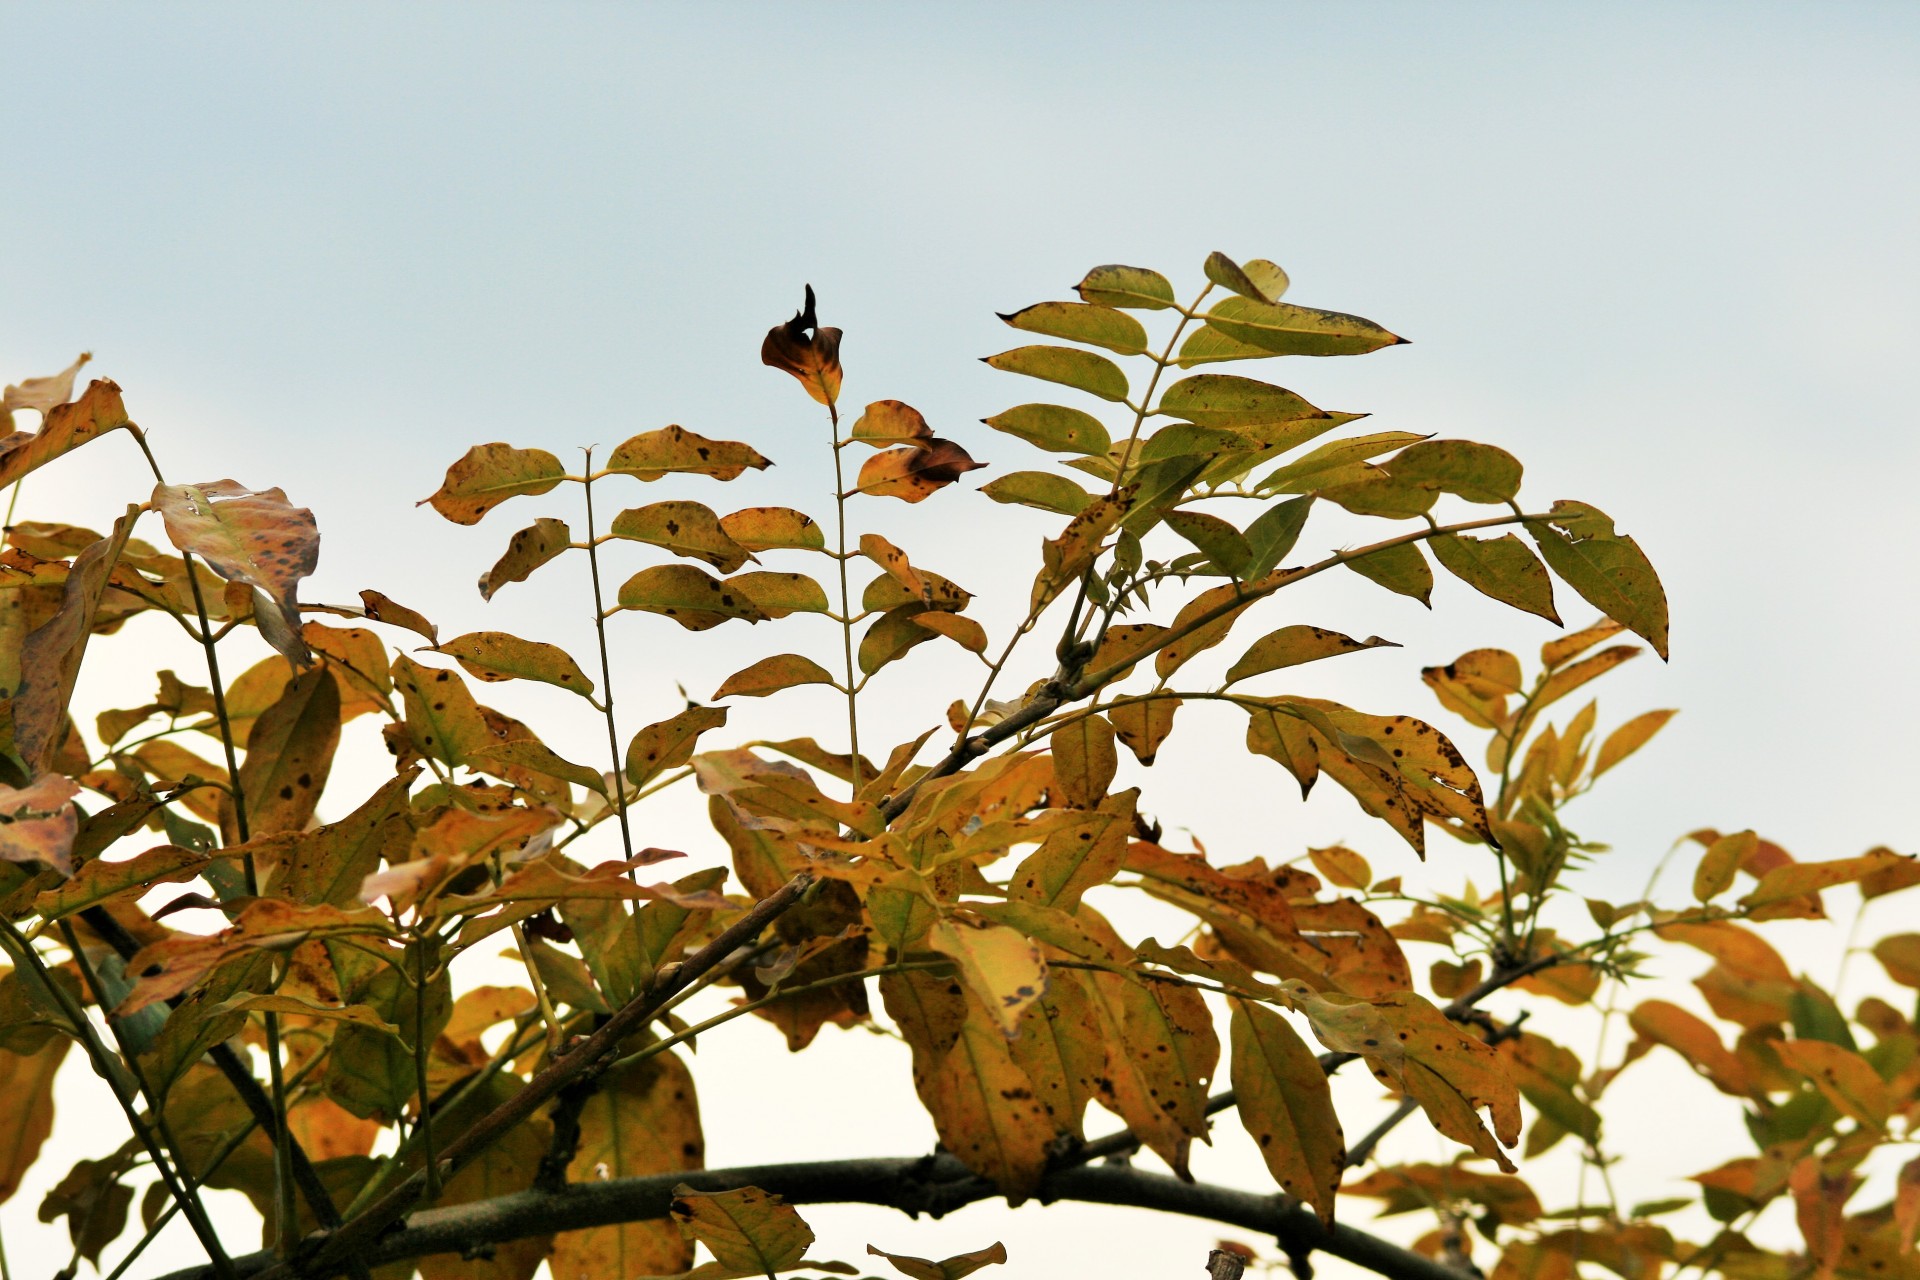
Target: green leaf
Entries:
(774, 529)
(1083, 370)
(685, 528)
(1157, 486)
(1609, 570)
(669, 743)
(1223, 400)
(1284, 329)
(778, 594)
(653, 454)
(1219, 541)
(770, 675)
(1182, 440)
(1207, 345)
(527, 550)
(1133, 287)
(441, 716)
(1055, 427)
(1476, 472)
(290, 752)
(1337, 462)
(748, 1231)
(496, 655)
(1286, 1106)
(1367, 490)
(1227, 273)
(885, 592)
(1500, 567)
(1291, 646)
(1400, 569)
(487, 475)
(691, 597)
(890, 422)
(891, 635)
(1042, 489)
(526, 753)
(1098, 326)
(1274, 533)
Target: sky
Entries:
(1663, 254)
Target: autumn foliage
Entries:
(951, 886)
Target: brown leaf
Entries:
(38, 822)
(811, 353)
(63, 427)
(912, 474)
(381, 609)
(26, 1081)
(50, 655)
(254, 537)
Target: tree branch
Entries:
(323, 1252)
(933, 1185)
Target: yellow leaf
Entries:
(954, 1268)
(1286, 1106)
(1003, 967)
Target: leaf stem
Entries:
(606, 672)
(103, 1066)
(846, 604)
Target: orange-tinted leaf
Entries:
(779, 594)
(505, 1166)
(669, 743)
(890, 635)
(1696, 1042)
(1084, 760)
(487, 475)
(773, 529)
(1819, 1205)
(381, 609)
(1342, 866)
(38, 822)
(670, 450)
(50, 655)
(1723, 857)
(1143, 726)
(808, 351)
(965, 632)
(1629, 738)
(1291, 646)
(1452, 1075)
(1074, 859)
(1161, 1054)
(954, 1268)
(893, 561)
(1286, 1106)
(889, 422)
(526, 551)
(1003, 968)
(495, 655)
(26, 1081)
(1899, 954)
(1797, 878)
(1196, 636)
(1848, 1080)
(912, 474)
(770, 675)
(63, 427)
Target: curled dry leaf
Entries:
(911, 474)
(808, 351)
(64, 427)
(255, 537)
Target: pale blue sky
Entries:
(1664, 253)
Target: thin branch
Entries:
(352, 1239)
(606, 674)
(933, 1185)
